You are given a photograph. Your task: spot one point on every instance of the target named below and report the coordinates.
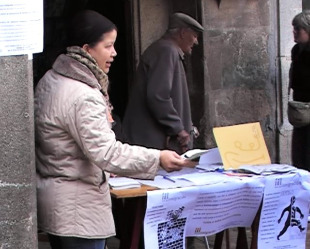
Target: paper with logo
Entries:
(173, 214)
(284, 216)
(242, 144)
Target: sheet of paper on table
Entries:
(203, 174)
(123, 183)
(211, 160)
(203, 178)
(186, 177)
(165, 180)
(267, 169)
(162, 182)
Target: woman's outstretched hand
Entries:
(171, 161)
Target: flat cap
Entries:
(181, 20)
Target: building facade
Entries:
(237, 74)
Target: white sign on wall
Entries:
(21, 27)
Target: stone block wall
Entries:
(239, 75)
(246, 58)
(18, 227)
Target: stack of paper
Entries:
(267, 169)
(123, 183)
(210, 161)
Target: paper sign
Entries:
(21, 27)
(242, 144)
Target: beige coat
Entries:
(75, 148)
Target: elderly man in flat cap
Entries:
(158, 114)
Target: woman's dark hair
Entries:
(87, 27)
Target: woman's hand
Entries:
(171, 161)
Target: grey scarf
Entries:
(86, 59)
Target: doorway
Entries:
(55, 15)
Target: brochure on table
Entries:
(210, 170)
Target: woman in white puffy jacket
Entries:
(75, 146)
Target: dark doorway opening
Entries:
(119, 12)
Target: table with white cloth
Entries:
(226, 200)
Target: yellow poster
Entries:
(242, 144)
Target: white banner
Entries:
(174, 214)
(285, 210)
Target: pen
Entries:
(219, 170)
(169, 179)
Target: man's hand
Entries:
(172, 161)
(183, 138)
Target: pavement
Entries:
(195, 242)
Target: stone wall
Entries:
(18, 227)
(239, 74)
(246, 58)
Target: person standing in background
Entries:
(300, 84)
(76, 149)
(158, 113)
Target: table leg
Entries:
(122, 222)
(130, 214)
(254, 228)
(227, 239)
(242, 242)
(138, 222)
(219, 240)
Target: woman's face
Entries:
(104, 52)
(300, 35)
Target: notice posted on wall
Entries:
(285, 211)
(21, 27)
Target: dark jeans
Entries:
(59, 242)
(301, 147)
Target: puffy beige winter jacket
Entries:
(75, 148)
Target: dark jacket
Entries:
(300, 73)
(159, 105)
